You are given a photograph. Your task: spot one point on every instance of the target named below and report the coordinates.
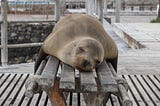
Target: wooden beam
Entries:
(100, 10)
(4, 36)
(57, 10)
(118, 7)
(105, 8)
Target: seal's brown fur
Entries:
(80, 41)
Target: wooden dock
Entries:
(143, 57)
(144, 90)
(140, 67)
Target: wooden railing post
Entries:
(118, 7)
(4, 36)
(57, 10)
(90, 5)
(100, 10)
(105, 8)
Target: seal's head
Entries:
(87, 54)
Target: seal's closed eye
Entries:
(80, 50)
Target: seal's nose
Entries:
(85, 63)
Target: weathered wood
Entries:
(6, 80)
(17, 98)
(100, 10)
(67, 80)
(108, 83)
(4, 35)
(141, 91)
(139, 101)
(25, 101)
(118, 8)
(49, 73)
(156, 83)
(95, 99)
(152, 86)
(15, 92)
(88, 82)
(54, 81)
(3, 79)
(42, 100)
(124, 95)
(9, 89)
(119, 79)
(20, 97)
(77, 80)
(35, 99)
(57, 10)
(115, 100)
(130, 94)
(150, 94)
(31, 85)
(41, 67)
(1, 75)
(56, 97)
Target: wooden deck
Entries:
(144, 90)
(140, 67)
(144, 55)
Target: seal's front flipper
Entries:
(41, 56)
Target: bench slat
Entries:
(107, 81)
(87, 81)
(77, 79)
(115, 100)
(49, 73)
(67, 80)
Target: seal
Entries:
(80, 41)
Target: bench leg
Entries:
(93, 99)
(56, 97)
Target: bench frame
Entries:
(55, 78)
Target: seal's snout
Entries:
(85, 63)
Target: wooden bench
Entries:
(58, 79)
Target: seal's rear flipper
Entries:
(41, 56)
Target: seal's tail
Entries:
(41, 56)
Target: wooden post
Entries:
(118, 4)
(90, 7)
(4, 37)
(105, 8)
(100, 10)
(57, 10)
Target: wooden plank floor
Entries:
(143, 60)
(144, 90)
